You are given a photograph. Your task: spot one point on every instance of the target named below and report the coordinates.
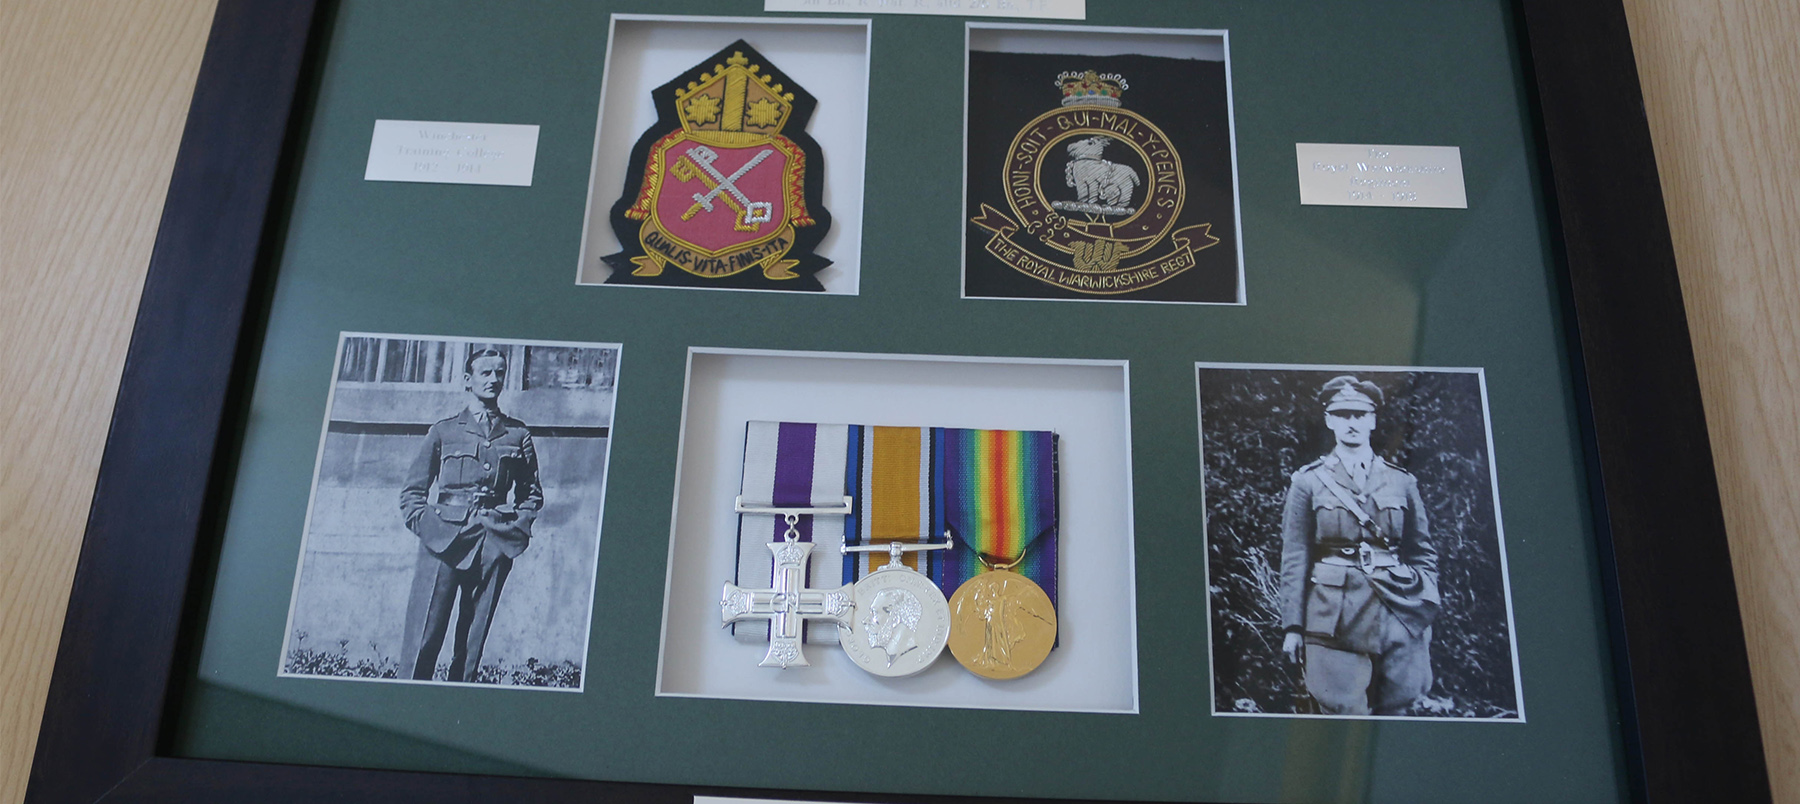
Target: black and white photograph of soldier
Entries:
(455, 513)
(1356, 561)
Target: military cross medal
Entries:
(1095, 196)
(725, 190)
(789, 602)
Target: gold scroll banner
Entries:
(1097, 270)
(662, 250)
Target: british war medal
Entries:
(725, 190)
(1108, 178)
(902, 618)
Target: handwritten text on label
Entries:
(452, 153)
(1381, 175)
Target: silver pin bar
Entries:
(753, 508)
(897, 549)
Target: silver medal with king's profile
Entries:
(902, 619)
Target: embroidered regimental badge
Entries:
(725, 190)
(1093, 197)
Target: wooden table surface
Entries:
(92, 98)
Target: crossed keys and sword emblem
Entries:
(697, 163)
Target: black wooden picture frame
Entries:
(1685, 706)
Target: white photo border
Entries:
(587, 634)
(1487, 421)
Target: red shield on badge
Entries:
(718, 198)
(728, 183)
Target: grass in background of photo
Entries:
(1259, 426)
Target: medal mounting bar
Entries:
(897, 549)
(790, 510)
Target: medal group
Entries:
(913, 512)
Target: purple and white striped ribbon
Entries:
(799, 465)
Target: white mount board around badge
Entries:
(830, 55)
(1094, 669)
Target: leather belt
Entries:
(1361, 555)
(470, 500)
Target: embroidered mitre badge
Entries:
(725, 189)
(1107, 178)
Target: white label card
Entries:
(1010, 9)
(1381, 175)
(452, 153)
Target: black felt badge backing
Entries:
(787, 254)
(1185, 98)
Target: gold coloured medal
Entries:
(1002, 625)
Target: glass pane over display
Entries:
(1226, 495)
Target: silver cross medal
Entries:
(789, 603)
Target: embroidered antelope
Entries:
(1096, 180)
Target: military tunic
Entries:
(470, 528)
(1364, 593)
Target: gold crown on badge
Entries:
(1091, 89)
(734, 101)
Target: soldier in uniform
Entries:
(471, 528)
(1359, 581)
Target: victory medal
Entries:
(1095, 196)
(1000, 494)
(1003, 624)
(725, 190)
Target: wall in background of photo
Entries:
(359, 568)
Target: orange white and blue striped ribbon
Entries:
(891, 469)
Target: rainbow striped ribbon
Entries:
(996, 492)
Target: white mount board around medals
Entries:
(1381, 175)
(452, 153)
(1085, 402)
(1007, 9)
